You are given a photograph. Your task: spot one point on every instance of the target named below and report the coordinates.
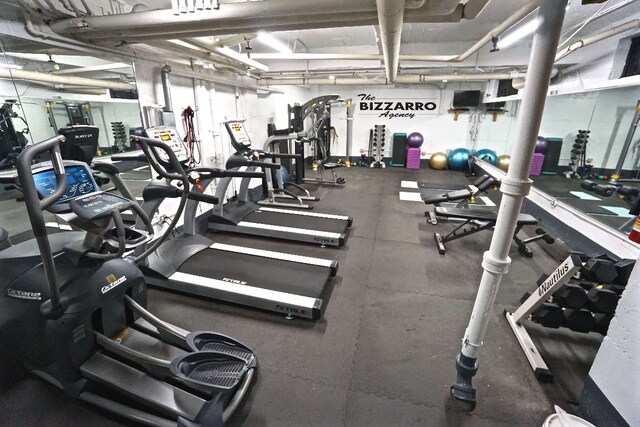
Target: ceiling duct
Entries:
(64, 80)
(249, 17)
(390, 18)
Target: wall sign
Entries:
(392, 108)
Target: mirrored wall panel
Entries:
(589, 155)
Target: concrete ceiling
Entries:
(423, 38)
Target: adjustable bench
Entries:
(462, 197)
(476, 220)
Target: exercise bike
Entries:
(72, 305)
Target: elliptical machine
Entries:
(74, 304)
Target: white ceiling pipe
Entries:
(219, 79)
(191, 53)
(497, 31)
(390, 18)
(65, 80)
(349, 57)
(165, 18)
(103, 67)
(586, 41)
(212, 49)
(401, 79)
(245, 17)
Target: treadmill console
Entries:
(239, 136)
(98, 205)
(169, 135)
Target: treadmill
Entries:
(294, 285)
(245, 216)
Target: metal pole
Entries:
(514, 187)
(350, 110)
(627, 141)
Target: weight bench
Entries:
(476, 220)
(461, 197)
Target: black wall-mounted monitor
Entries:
(466, 98)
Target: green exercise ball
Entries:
(438, 161)
(503, 162)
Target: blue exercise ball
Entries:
(415, 139)
(459, 159)
(487, 155)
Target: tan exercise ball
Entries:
(438, 161)
(503, 162)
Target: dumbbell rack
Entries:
(119, 136)
(376, 146)
(559, 286)
(578, 162)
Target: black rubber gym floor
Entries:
(384, 353)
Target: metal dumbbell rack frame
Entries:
(556, 280)
(376, 146)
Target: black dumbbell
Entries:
(570, 295)
(597, 270)
(580, 320)
(602, 322)
(602, 300)
(604, 190)
(549, 315)
(618, 289)
(624, 267)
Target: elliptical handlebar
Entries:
(148, 146)
(51, 309)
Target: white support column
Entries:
(514, 188)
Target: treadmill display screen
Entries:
(79, 182)
(238, 134)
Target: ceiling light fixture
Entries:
(274, 43)
(518, 34)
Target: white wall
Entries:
(616, 369)
(438, 127)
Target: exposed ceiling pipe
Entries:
(401, 79)
(245, 17)
(190, 53)
(497, 31)
(349, 57)
(103, 67)
(213, 49)
(219, 79)
(166, 88)
(390, 18)
(586, 41)
(65, 80)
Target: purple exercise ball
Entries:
(541, 145)
(415, 139)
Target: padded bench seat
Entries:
(488, 215)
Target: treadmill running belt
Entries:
(297, 221)
(284, 276)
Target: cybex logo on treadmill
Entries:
(113, 282)
(237, 282)
(24, 295)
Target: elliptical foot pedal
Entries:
(438, 238)
(212, 341)
(209, 371)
